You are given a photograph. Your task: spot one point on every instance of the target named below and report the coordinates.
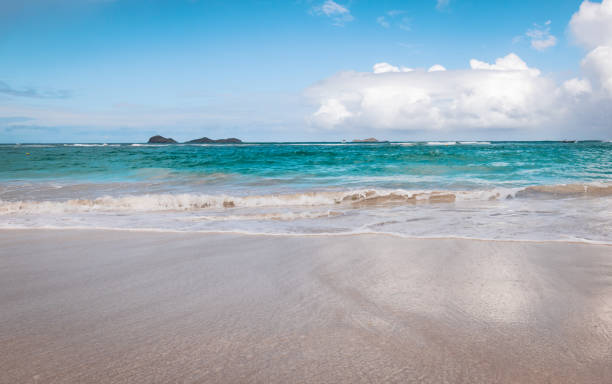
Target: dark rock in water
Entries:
(157, 139)
(206, 140)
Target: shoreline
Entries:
(329, 234)
(95, 306)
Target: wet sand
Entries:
(94, 306)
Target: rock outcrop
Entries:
(206, 140)
(370, 140)
(157, 139)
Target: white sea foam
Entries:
(475, 142)
(357, 198)
(85, 145)
(34, 145)
(187, 201)
(441, 142)
(554, 212)
(282, 216)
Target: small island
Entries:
(158, 139)
(206, 140)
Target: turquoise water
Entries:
(451, 188)
(317, 165)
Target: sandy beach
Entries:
(93, 306)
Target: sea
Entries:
(468, 189)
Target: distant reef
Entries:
(206, 140)
(157, 139)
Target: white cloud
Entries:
(436, 68)
(436, 99)
(598, 66)
(506, 94)
(592, 24)
(510, 62)
(339, 14)
(331, 113)
(386, 67)
(576, 87)
(541, 37)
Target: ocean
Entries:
(483, 190)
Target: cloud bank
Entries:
(505, 95)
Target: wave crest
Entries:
(354, 198)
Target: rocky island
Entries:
(158, 139)
(206, 140)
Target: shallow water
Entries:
(498, 190)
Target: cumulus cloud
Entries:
(577, 87)
(540, 36)
(598, 66)
(436, 68)
(591, 26)
(339, 14)
(331, 113)
(511, 62)
(386, 67)
(505, 94)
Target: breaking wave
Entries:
(354, 198)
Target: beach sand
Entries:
(93, 306)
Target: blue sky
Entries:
(103, 70)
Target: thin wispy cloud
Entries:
(9, 120)
(391, 18)
(6, 89)
(442, 5)
(383, 22)
(405, 24)
(339, 14)
(540, 36)
(395, 12)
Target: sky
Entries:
(304, 70)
